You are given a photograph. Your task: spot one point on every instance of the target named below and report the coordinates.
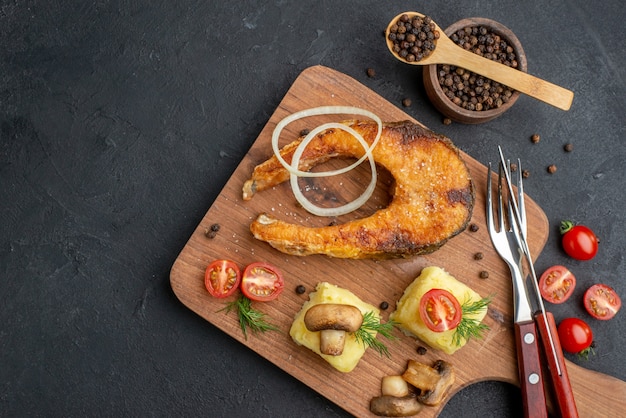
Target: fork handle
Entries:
(560, 384)
(529, 365)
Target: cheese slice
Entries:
(407, 314)
(353, 350)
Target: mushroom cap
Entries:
(333, 316)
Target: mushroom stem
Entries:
(332, 341)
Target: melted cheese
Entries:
(407, 313)
(353, 350)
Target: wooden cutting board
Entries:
(492, 358)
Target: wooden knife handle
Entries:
(529, 364)
(560, 384)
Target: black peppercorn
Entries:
(535, 138)
(473, 227)
(552, 169)
(478, 256)
(370, 72)
(300, 289)
(421, 350)
(484, 274)
(212, 231)
(406, 102)
(412, 38)
(525, 174)
(568, 147)
(384, 305)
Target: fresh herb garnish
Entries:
(371, 323)
(471, 327)
(249, 318)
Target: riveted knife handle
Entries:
(529, 365)
(560, 384)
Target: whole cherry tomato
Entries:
(578, 241)
(575, 336)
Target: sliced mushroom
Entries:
(423, 377)
(435, 396)
(333, 321)
(393, 406)
(394, 386)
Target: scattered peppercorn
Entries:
(484, 274)
(472, 91)
(552, 169)
(473, 227)
(413, 38)
(535, 138)
(525, 174)
(406, 102)
(569, 147)
(513, 167)
(300, 289)
(421, 350)
(478, 256)
(447, 121)
(211, 231)
(384, 305)
(370, 72)
(304, 132)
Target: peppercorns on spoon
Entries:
(425, 43)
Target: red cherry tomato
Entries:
(578, 241)
(575, 335)
(602, 302)
(222, 278)
(556, 284)
(440, 310)
(262, 282)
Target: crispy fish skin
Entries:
(432, 199)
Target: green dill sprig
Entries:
(471, 327)
(371, 323)
(249, 318)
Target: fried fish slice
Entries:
(432, 197)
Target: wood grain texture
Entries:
(492, 358)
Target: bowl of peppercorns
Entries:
(467, 97)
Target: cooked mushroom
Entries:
(393, 406)
(394, 386)
(333, 321)
(423, 377)
(435, 396)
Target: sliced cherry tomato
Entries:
(602, 302)
(222, 278)
(262, 282)
(578, 241)
(556, 284)
(575, 335)
(440, 310)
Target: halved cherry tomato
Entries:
(440, 310)
(575, 335)
(556, 284)
(602, 302)
(261, 282)
(222, 278)
(578, 241)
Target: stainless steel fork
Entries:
(558, 376)
(505, 241)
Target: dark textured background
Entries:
(122, 120)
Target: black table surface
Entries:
(122, 121)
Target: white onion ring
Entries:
(295, 172)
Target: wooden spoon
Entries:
(447, 52)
